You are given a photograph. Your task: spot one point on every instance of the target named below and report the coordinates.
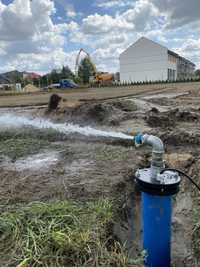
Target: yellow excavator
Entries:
(97, 77)
(103, 77)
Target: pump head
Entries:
(151, 179)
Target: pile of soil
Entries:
(187, 116)
(124, 105)
(179, 137)
(162, 120)
(170, 118)
(106, 113)
(30, 88)
(54, 102)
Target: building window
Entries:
(171, 75)
(172, 59)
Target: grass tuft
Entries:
(16, 148)
(61, 234)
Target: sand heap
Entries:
(30, 88)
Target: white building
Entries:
(146, 60)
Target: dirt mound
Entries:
(179, 137)
(100, 112)
(125, 105)
(54, 102)
(107, 113)
(31, 88)
(169, 119)
(157, 119)
(187, 116)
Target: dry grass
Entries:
(61, 234)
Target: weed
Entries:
(61, 234)
(19, 147)
(23, 142)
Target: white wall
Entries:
(173, 66)
(144, 61)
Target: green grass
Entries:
(28, 141)
(28, 132)
(18, 147)
(61, 234)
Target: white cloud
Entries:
(101, 24)
(179, 12)
(2, 48)
(150, 18)
(30, 40)
(190, 49)
(114, 3)
(70, 11)
(110, 35)
(22, 19)
(69, 8)
(143, 15)
(36, 62)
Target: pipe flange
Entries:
(165, 184)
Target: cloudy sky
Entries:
(39, 35)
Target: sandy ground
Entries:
(80, 168)
(76, 95)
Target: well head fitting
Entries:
(166, 183)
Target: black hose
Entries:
(183, 174)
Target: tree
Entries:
(86, 70)
(66, 73)
(54, 76)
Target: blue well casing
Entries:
(156, 224)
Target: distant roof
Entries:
(31, 75)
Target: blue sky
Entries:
(41, 35)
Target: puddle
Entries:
(39, 162)
(77, 166)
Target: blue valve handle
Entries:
(138, 139)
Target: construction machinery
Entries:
(78, 59)
(97, 77)
(102, 78)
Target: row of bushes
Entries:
(147, 82)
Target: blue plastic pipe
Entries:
(156, 220)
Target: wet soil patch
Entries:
(101, 113)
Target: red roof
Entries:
(32, 75)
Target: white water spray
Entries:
(13, 121)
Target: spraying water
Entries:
(13, 121)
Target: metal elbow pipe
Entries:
(157, 163)
(151, 140)
(155, 142)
